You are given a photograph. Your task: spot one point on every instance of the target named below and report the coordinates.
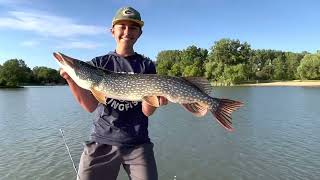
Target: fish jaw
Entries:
(66, 64)
(64, 60)
(70, 66)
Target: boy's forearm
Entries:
(83, 96)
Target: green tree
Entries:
(2, 81)
(262, 63)
(309, 67)
(213, 70)
(280, 68)
(224, 55)
(15, 72)
(234, 74)
(46, 75)
(192, 61)
(196, 69)
(189, 54)
(231, 52)
(166, 60)
(266, 73)
(292, 63)
(175, 70)
(188, 62)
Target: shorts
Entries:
(102, 162)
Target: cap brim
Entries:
(140, 23)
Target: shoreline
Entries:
(293, 83)
(11, 87)
(297, 83)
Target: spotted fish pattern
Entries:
(193, 93)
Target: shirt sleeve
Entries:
(151, 68)
(93, 62)
(99, 61)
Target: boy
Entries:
(120, 128)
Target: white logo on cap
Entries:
(127, 12)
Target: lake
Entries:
(276, 136)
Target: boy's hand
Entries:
(162, 100)
(64, 74)
(148, 110)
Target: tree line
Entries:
(230, 62)
(15, 73)
(227, 62)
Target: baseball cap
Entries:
(129, 14)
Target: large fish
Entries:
(191, 92)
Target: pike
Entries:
(191, 92)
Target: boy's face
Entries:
(126, 33)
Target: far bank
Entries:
(299, 83)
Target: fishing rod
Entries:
(65, 143)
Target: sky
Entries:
(32, 30)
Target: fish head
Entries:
(65, 61)
(78, 70)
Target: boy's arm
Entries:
(83, 96)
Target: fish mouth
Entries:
(64, 60)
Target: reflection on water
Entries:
(276, 136)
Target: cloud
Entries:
(19, 3)
(30, 43)
(78, 45)
(8, 2)
(47, 25)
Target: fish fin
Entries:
(223, 112)
(201, 83)
(196, 109)
(152, 100)
(101, 97)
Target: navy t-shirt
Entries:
(121, 122)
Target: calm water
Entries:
(277, 136)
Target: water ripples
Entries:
(276, 136)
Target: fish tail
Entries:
(222, 109)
